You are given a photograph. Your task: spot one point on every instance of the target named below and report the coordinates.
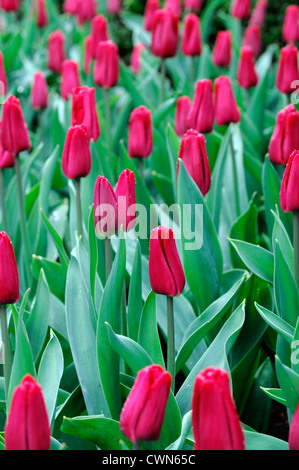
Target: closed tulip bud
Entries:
(258, 16)
(288, 72)
(166, 272)
(105, 208)
(9, 277)
(182, 110)
(191, 40)
(99, 31)
(106, 70)
(193, 5)
(39, 92)
(240, 9)
(70, 78)
(143, 413)
(136, 57)
(252, 38)
(7, 159)
(165, 34)
(27, 426)
(216, 424)
(285, 137)
(289, 195)
(247, 76)
(56, 51)
(202, 114)
(293, 439)
(86, 10)
(175, 6)
(222, 51)
(70, 6)
(149, 13)
(290, 30)
(10, 5)
(3, 77)
(88, 54)
(14, 132)
(140, 140)
(76, 158)
(226, 108)
(114, 6)
(84, 111)
(42, 14)
(125, 193)
(194, 155)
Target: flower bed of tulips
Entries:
(149, 244)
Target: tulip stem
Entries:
(193, 71)
(7, 350)
(170, 340)
(296, 246)
(124, 311)
(79, 207)
(136, 445)
(3, 205)
(163, 80)
(235, 174)
(23, 223)
(108, 120)
(108, 258)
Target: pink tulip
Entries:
(252, 38)
(149, 13)
(290, 30)
(140, 140)
(105, 208)
(222, 51)
(114, 6)
(226, 108)
(288, 73)
(240, 9)
(42, 19)
(27, 426)
(202, 114)
(191, 40)
(14, 131)
(285, 138)
(193, 5)
(84, 111)
(39, 92)
(165, 34)
(193, 153)
(143, 413)
(70, 78)
(56, 51)
(246, 74)
(10, 5)
(174, 5)
(216, 424)
(99, 32)
(136, 57)
(76, 158)
(106, 70)
(258, 16)
(125, 193)
(165, 269)
(9, 277)
(182, 110)
(289, 195)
